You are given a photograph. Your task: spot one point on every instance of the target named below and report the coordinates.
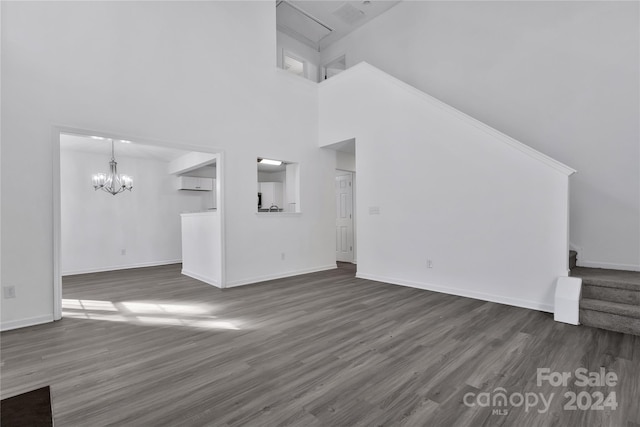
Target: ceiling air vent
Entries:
(348, 14)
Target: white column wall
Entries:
(436, 188)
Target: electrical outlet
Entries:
(282, 256)
(9, 292)
(429, 264)
(123, 252)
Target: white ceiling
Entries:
(133, 149)
(320, 23)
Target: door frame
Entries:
(325, 64)
(56, 132)
(353, 210)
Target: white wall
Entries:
(201, 247)
(490, 213)
(170, 72)
(97, 226)
(345, 161)
(272, 176)
(288, 43)
(561, 77)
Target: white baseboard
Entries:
(23, 323)
(533, 305)
(279, 276)
(121, 267)
(201, 278)
(608, 265)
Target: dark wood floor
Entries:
(149, 347)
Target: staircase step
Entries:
(610, 322)
(610, 299)
(605, 293)
(629, 310)
(609, 285)
(628, 280)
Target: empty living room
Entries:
(196, 228)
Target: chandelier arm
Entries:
(112, 191)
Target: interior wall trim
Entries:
(23, 323)
(364, 67)
(258, 279)
(608, 265)
(201, 278)
(121, 267)
(533, 305)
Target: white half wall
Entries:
(97, 227)
(201, 247)
(445, 202)
(560, 76)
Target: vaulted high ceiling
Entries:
(320, 23)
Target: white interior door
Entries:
(344, 218)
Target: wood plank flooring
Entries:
(150, 347)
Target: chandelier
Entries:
(112, 182)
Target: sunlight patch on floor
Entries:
(193, 323)
(160, 320)
(214, 324)
(146, 312)
(160, 308)
(94, 316)
(87, 304)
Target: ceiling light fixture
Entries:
(270, 162)
(112, 183)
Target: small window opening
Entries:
(294, 65)
(278, 186)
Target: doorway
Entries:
(344, 217)
(96, 232)
(333, 67)
(345, 185)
